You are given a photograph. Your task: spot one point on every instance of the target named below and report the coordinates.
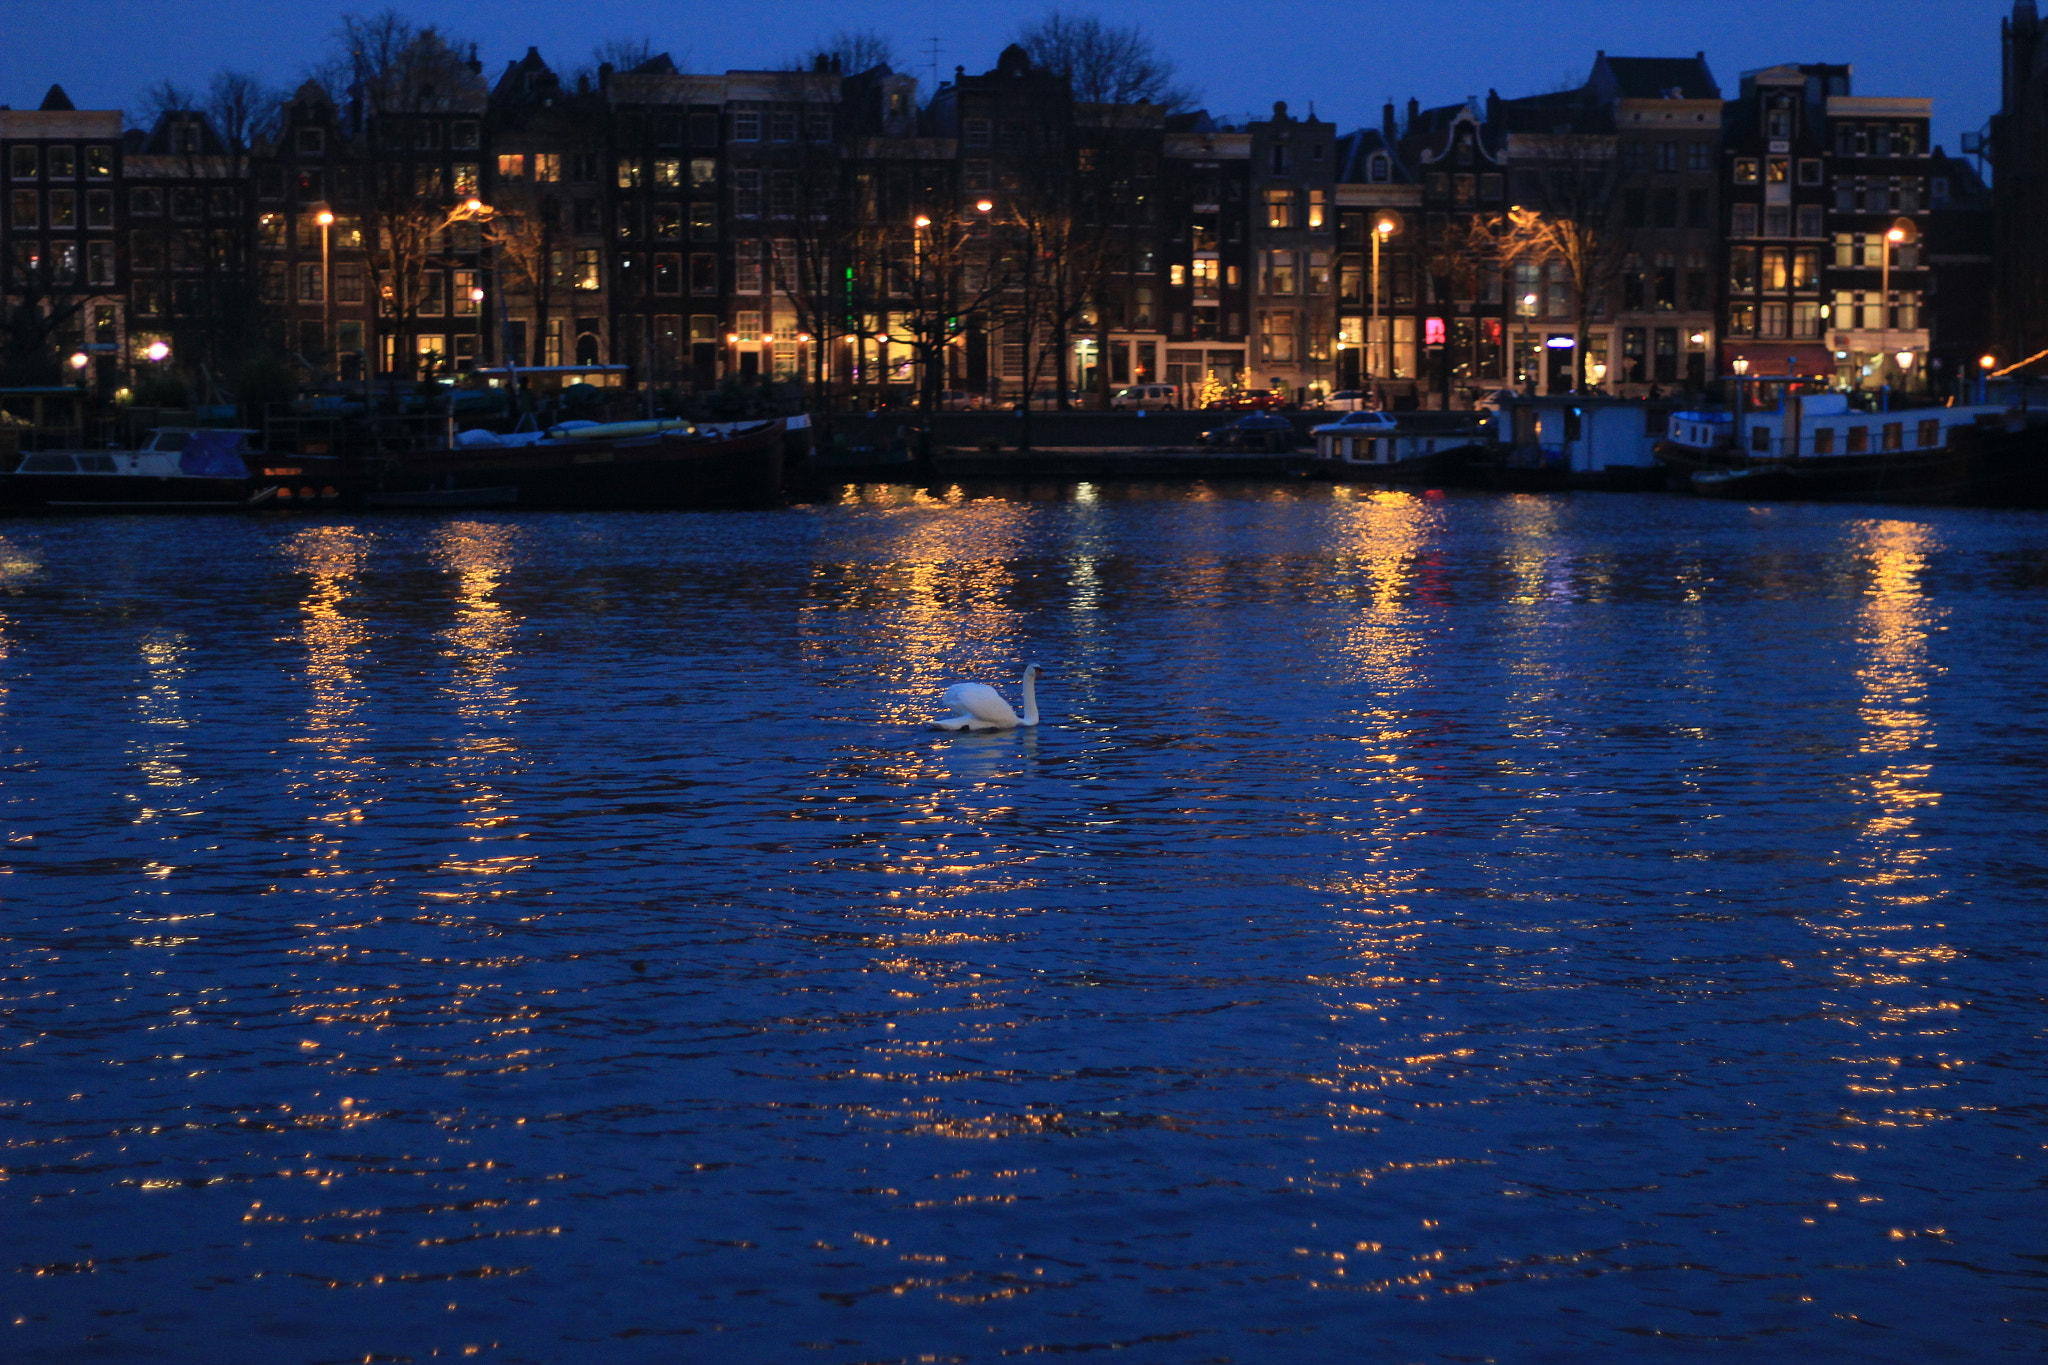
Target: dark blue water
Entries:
(1424, 929)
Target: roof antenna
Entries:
(934, 45)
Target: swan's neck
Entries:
(1030, 697)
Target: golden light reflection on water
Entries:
(478, 645)
(158, 749)
(336, 643)
(17, 566)
(1381, 543)
(1888, 943)
(942, 587)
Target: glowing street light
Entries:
(158, 351)
(1383, 227)
(325, 218)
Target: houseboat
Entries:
(1584, 440)
(1412, 447)
(1818, 447)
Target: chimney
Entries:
(1387, 130)
(1414, 112)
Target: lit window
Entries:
(629, 173)
(511, 166)
(1280, 208)
(547, 166)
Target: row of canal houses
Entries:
(996, 235)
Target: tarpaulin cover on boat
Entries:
(213, 455)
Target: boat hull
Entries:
(1982, 467)
(120, 493)
(663, 470)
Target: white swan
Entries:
(977, 706)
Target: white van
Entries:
(1145, 398)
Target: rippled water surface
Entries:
(1469, 928)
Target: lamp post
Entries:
(1901, 232)
(1986, 363)
(1384, 226)
(1528, 312)
(1741, 368)
(325, 218)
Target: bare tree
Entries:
(397, 73)
(849, 51)
(523, 231)
(1104, 63)
(244, 111)
(623, 54)
(1121, 90)
(1569, 223)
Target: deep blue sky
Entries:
(1345, 56)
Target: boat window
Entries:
(1759, 438)
(170, 440)
(1859, 440)
(96, 464)
(1930, 431)
(48, 464)
(1823, 440)
(1894, 435)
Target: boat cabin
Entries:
(1367, 439)
(1584, 433)
(1823, 424)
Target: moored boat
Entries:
(176, 469)
(1816, 448)
(1380, 447)
(620, 465)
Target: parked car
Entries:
(959, 400)
(1251, 400)
(1145, 398)
(1366, 422)
(1348, 400)
(1253, 431)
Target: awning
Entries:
(1775, 359)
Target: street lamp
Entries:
(1528, 312)
(1986, 363)
(1901, 232)
(1741, 368)
(1383, 227)
(325, 218)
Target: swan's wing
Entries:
(980, 701)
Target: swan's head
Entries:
(1033, 671)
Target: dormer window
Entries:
(312, 142)
(1379, 169)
